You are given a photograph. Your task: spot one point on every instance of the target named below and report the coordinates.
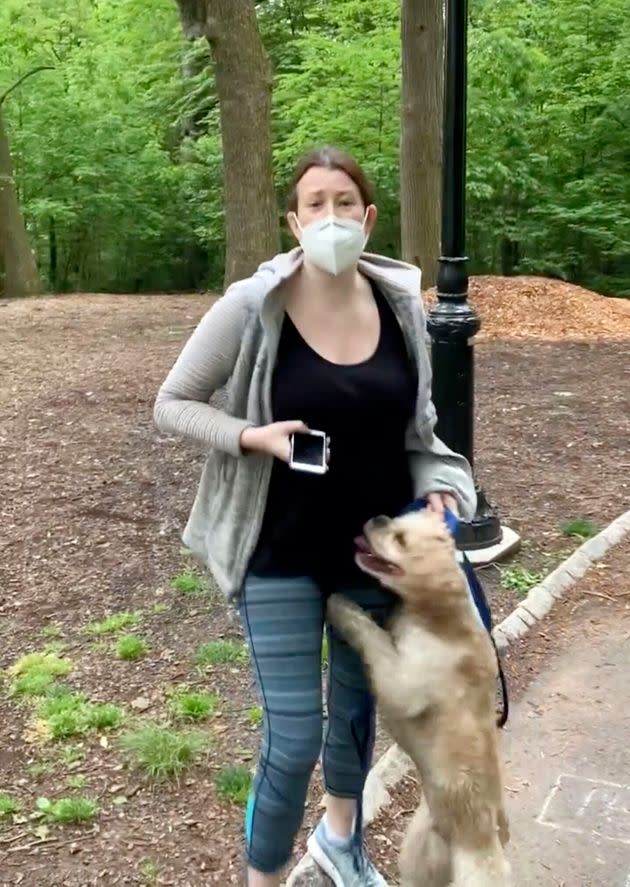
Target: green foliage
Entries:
(194, 706)
(233, 783)
(76, 782)
(67, 810)
(112, 624)
(38, 769)
(188, 583)
(517, 578)
(35, 673)
(131, 647)
(72, 714)
(255, 715)
(72, 754)
(580, 528)
(117, 150)
(546, 134)
(50, 631)
(8, 805)
(149, 873)
(221, 653)
(162, 752)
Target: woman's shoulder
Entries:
(250, 292)
(398, 274)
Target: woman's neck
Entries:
(329, 291)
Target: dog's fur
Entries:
(434, 677)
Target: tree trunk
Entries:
(422, 38)
(244, 83)
(21, 277)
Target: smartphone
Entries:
(308, 452)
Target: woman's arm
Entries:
(204, 365)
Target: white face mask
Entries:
(333, 244)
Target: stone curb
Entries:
(394, 764)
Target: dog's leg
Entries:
(486, 867)
(425, 857)
(392, 685)
(374, 646)
(359, 629)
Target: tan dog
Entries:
(434, 676)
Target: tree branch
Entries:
(30, 73)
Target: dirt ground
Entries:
(92, 501)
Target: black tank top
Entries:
(311, 520)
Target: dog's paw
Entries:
(342, 614)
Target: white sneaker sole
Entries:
(323, 861)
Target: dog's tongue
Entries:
(362, 545)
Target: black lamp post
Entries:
(452, 322)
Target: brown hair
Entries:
(330, 158)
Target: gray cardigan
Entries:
(235, 345)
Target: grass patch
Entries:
(233, 784)
(158, 609)
(72, 714)
(520, 580)
(162, 752)
(77, 781)
(112, 624)
(67, 809)
(35, 674)
(255, 715)
(72, 754)
(38, 769)
(131, 647)
(579, 528)
(8, 805)
(149, 872)
(51, 631)
(194, 706)
(188, 583)
(221, 653)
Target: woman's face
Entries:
(324, 192)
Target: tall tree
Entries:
(422, 38)
(21, 277)
(244, 86)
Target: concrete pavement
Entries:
(567, 754)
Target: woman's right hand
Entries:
(273, 439)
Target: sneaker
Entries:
(347, 865)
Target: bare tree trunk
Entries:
(244, 83)
(21, 277)
(422, 37)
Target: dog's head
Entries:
(412, 555)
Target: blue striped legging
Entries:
(283, 620)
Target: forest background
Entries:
(113, 135)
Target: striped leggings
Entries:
(283, 619)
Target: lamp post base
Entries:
(483, 538)
(509, 543)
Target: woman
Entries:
(329, 338)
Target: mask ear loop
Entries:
(366, 236)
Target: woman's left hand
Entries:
(437, 502)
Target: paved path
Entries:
(567, 756)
